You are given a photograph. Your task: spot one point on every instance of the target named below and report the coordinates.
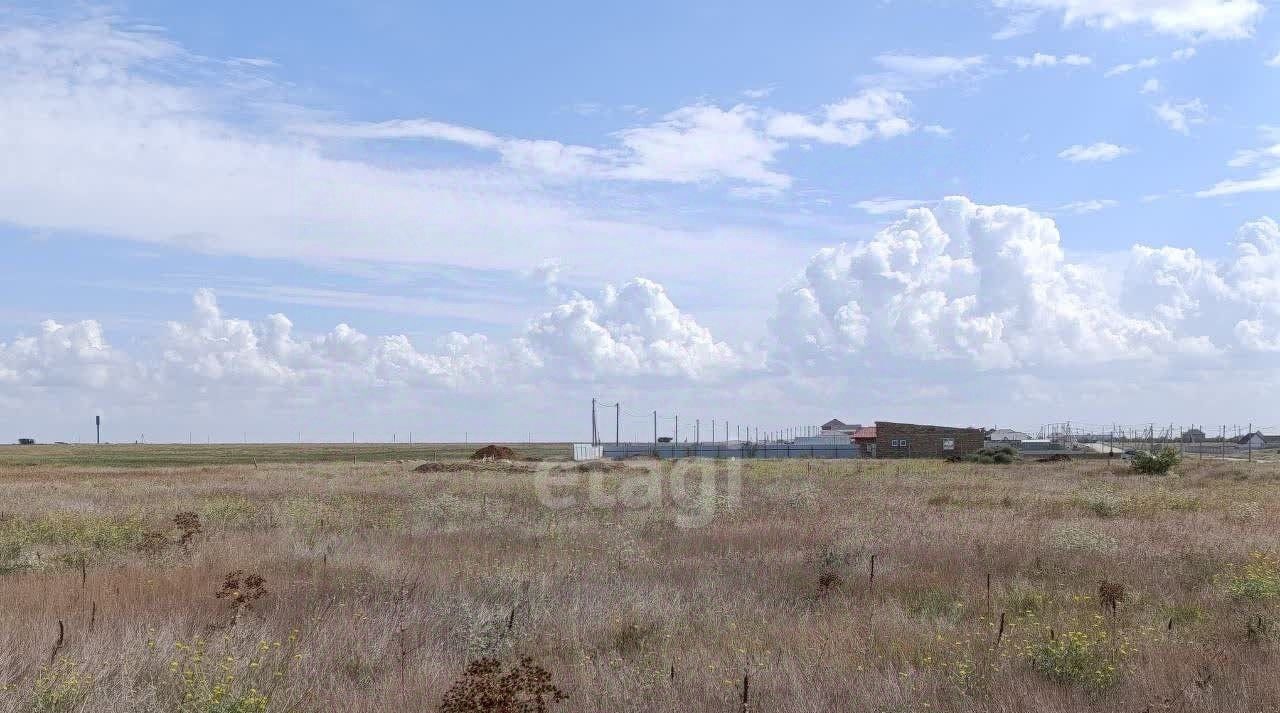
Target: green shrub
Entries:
(60, 687)
(1181, 615)
(1155, 464)
(1025, 600)
(994, 455)
(1257, 579)
(1077, 658)
(1101, 503)
(932, 603)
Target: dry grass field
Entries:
(366, 586)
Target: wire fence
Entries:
(1248, 441)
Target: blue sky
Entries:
(645, 202)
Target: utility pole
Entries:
(655, 428)
(676, 436)
(595, 441)
(1250, 437)
(97, 423)
(713, 430)
(617, 423)
(697, 430)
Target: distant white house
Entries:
(1257, 440)
(1007, 435)
(836, 427)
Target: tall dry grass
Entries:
(379, 585)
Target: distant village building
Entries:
(836, 426)
(1007, 436)
(1257, 440)
(865, 439)
(1193, 435)
(26, 441)
(911, 440)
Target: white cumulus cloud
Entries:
(632, 330)
(62, 355)
(211, 350)
(990, 287)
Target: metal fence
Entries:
(669, 451)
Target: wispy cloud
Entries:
(885, 206)
(1266, 159)
(1089, 206)
(872, 113)
(906, 72)
(1098, 152)
(1181, 116)
(1204, 19)
(1018, 24)
(403, 129)
(1180, 55)
(1040, 59)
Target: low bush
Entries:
(994, 455)
(1077, 658)
(1259, 578)
(1159, 463)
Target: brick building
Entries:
(910, 440)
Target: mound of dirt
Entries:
(481, 466)
(437, 467)
(494, 453)
(1055, 458)
(597, 466)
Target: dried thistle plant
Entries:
(153, 543)
(485, 687)
(188, 524)
(1110, 594)
(241, 590)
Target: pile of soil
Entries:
(1055, 458)
(597, 466)
(483, 466)
(494, 453)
